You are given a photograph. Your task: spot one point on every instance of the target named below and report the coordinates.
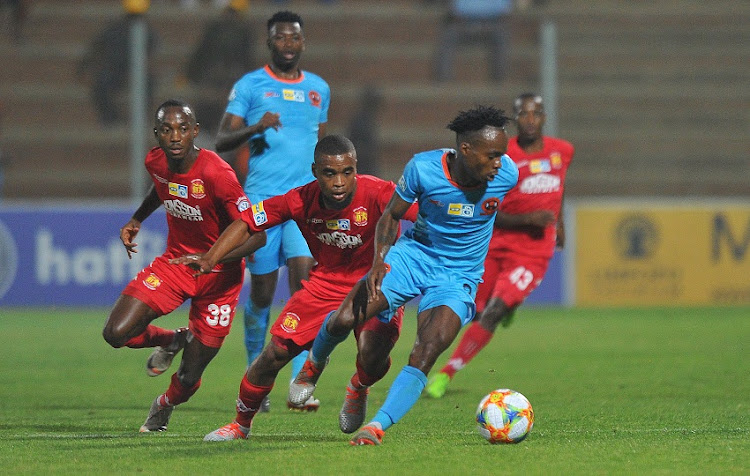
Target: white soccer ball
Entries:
(505, 416)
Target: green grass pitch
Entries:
(626, 391)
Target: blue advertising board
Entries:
(72, 256)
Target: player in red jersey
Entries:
(202, 196)
(528, 227)
(337, 215)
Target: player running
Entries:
(202, 196)
(528, 226)
(337, 215)
(441, 258)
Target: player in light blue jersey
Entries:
(280, 111)
(441, 258)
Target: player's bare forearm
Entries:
(233, 132)
(386, 232)
(149, 204)
(253, 244)
(129, 231)
(233, 236)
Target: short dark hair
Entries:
(477, 118)
(284, 17)
(524, 97)
(174, 103)
(334, 144)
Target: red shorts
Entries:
(509, 277)
(213, 297)
(304, 313)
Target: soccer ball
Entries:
(504, 416)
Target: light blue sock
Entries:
(325, 343)
(256, 325)
(298, 362)
(403, 394)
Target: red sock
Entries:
(248, 401)
(177, 393)
(473, 340)
(151, 337)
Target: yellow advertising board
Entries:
(644, 254)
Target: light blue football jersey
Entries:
(280, 160)
(454, 224)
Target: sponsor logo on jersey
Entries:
(152, 281)
(197, 189)
(555, 159)
(315, 221)
(182, 210)
(242, 204)
(490, 206)
(315, 98)
(295, 95)
(177, 190)
(340, 239)
(271, 94)
(461, 209)
(437, 203)
(290, 322)
(538, 166)
(339, 224)
(259, 214)
(360, 216)
(541, 183)
(160, 179)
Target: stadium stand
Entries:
(653, 94)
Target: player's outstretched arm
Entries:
(253, 244)
(233, 236)
(386, 233)
(133, 226)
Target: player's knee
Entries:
(188, 377)
(114, 336)
(340, 323)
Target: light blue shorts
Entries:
(284, 241)
(413, 273)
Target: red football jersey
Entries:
(541, 181)
(200, 204)
(341, 241)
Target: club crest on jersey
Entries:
(197, 189)
(555, 159)
(242, 204)
(461, 209)
(152, 281)
(293, 95)
(360, 216)
(538, 166)
(259, 214)
(177, 190)
(490, 206)
(340, 224)
(290, 322)
(315, 98)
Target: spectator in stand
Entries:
(483, 22)
(224, 53)
(16, 12)
(107, 61)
